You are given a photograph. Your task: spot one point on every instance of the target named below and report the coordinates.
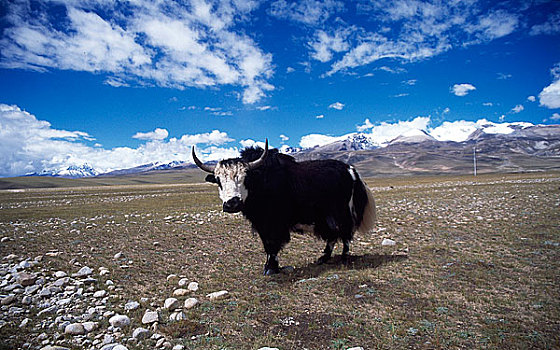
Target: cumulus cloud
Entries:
(312, 140)
(384, 132)
(337, 105)
(157, 134)
(531, 98)
(462, 89)
(31, 145)
(284, 138)
(517, 109)
(550, 27)
(163, 43)
(555, 116)
(320, 116)
(550, 96)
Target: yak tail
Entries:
(364, 212)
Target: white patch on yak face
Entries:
(231, 179)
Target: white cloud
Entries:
(162, 43)
(384, 132)
(264, 108)
(487, 104)
(320, 116)
(550, 27)
(312, 140)
(310, 12)
(411, 30)
(462, 89)
(555, 116)
(460, 130)
(531, 98)
(252, 143)
(337, 105)
(284, 138)
(517, 109)
(324, 45)
(157, 134)
(550, 96)
(32, 145)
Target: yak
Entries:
(280, 195)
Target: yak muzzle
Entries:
(233, 205)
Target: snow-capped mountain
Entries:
(71, 172)
(413, 136)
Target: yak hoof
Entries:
(323, 259)
(271, 271)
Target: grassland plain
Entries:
(476, 265)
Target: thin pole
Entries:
(474, 159)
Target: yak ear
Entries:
(211, 178)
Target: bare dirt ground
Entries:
(476, 265)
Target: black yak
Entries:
(279, 195)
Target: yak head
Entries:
(229, 175)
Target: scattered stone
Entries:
(178, 347)
(119, 321)
(26, 279)
(55, 347)
(83, 272)
(131, 305)
(171, 278)
(177, 316)
(171, 304)
(74, 329)
(89, 326)
(183, 282)
(8, 300)
(100, 294)
(218, 295)
(150, 317)
(180, 292)
(140, 333)
(267, 348)
(118, 255)
(388, 242)
(190, 303)
(356, 348)
(193, 286)
(25, 322)
(60, 274)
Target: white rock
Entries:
(172, 277)
(119, 321)
(217, 295)
(100, 294)
(177, 316)
(140, 333)
(74, 329)
(178, 347)
(150, 317)
(83, 272)
(171, 303)
(118, 255)
(356, 348)
(190, 303)
(60, 274)
(388, 242)
(183, 282)
(267, 348)
(180, 292)
(89, 326)
(132, 305)
(193, 286)
(24, 323)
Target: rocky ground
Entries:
(83, 308)
(453, 263)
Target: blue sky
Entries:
(122, 85)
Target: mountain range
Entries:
(513, 148)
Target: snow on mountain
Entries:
(413, 136)
(71, 172)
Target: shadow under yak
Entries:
(352, 262)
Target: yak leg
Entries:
(345, 251)
(326, 253)
(271, 267)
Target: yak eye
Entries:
(219, 182)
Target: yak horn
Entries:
(207, 168)
(257, 163)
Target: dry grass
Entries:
(476, 265)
